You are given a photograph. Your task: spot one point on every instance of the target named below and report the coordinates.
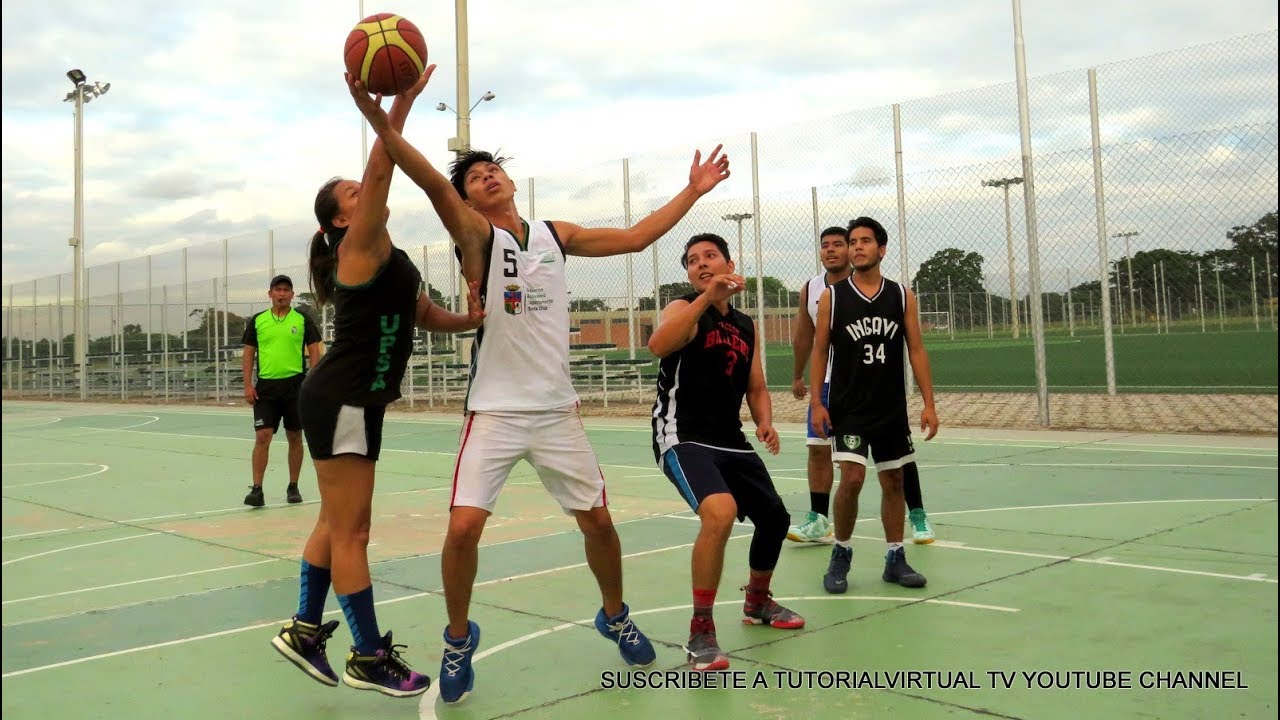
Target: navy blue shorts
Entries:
(810, 438)
(700, 470)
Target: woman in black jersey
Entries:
(377, 295)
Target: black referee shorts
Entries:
(700, 470)
(277, 400)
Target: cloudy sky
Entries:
(224, 117)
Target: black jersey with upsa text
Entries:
(868, 344)
(372, 337)
(701, 385)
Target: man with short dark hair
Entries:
(276, 339)
(710, 363)
(867, 325)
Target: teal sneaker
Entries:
(815, 528)
(922, 532)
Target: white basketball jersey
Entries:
(520, 361)
(817, 284)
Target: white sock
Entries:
(846, 544)
(895, 546)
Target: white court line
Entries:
(183, 641)
(1093, 446)
(36, 425)
(1183, 466)
(276, 623)
(1092, 561)
(137, 582)
(427, 705)
(77, 547)
(101, 469)
(1092, 504)
(55, 531)
(644, 428)
(92, 428)
(249, 439)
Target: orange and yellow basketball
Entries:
(386, 52)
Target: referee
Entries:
(275, 338)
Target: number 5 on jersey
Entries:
(508, 262)
(873, 355)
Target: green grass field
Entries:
(1238, 360)
(1229, 362)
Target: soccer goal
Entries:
(936, 321)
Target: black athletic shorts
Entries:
(335, 429)
(277, 400)
(700, 470)
(891, 449)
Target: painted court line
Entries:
(35, 425)
(93, 428)
(77, 547)
(276, 623)
(427, 705)
(1100, 445)
(1255, 577)
(101, 469)
(137, 582)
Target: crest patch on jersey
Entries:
(852, 441)
(513, 300)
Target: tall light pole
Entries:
(1128, 260)
(738, 217)
(462, 143)
(80, 96)
(1004, 183)
(364, 124)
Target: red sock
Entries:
(703, 602)
(758, 588)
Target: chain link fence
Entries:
(1161, 316)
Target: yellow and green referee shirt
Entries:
(281, 342)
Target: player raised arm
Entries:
(679, 322)
(819, 419)
(599, 242)
(920, 367)
(366, 241)
(431, 316)
(467, 227)
(801, 343)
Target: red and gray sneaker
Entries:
(384, 672)
(303, 645)
(703, 651)
(770, 613)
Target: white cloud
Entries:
(223, 118)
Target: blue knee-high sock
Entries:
(313, 589)
(358, 607)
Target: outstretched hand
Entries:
(370, 106)
(704, 176)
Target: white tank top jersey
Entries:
(817, 284)
(520, 360)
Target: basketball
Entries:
(386, 52)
